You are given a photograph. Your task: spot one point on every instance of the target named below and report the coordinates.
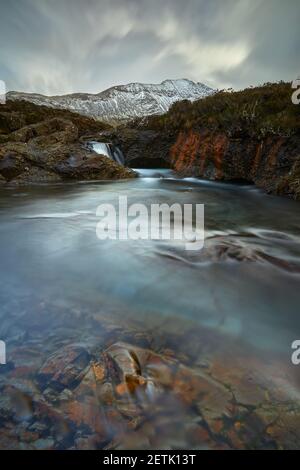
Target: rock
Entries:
(65, 368)
(12, 164)
(51, 150)
(270, 162)
(36, 175)
(106, 394)
(44, 444)
(128, 396)
(127, 366)
(87, 443)
(149, 384)
(6, 410)
(142, 148)
(10, 121)
(37, 427)
(22, 405)
(223, 248)
(226, 248)
(281, 424)
(81, 165)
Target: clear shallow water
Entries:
(236, 299)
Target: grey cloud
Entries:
(62, 46)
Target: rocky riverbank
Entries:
(271, 163)
(251, 136)
(41, 145)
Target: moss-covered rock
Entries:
(50, 148)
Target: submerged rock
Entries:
(126, 395)
(65, 368)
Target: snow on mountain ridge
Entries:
(123, 102)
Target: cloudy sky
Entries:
(65, 46)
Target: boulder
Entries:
(80, 164)
(65, 368)
(12, 164)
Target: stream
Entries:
(209, 332)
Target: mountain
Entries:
(123, 102)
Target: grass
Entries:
(17, 114)
(257, 112)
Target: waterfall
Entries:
(109, 150)
(118, 156)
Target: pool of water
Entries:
(224, 317)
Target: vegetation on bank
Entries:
(40, 144)
(17, 114)
(257, 112)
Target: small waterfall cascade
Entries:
(109, 150)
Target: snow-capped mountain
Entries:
(123, 102)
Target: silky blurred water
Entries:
(227, 313)
(49, 248)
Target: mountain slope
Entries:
(123, 102)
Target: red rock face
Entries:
(191, 150)
(215, 155)
(196, 150)
(273, 155)
(219, 146)
(257, 159)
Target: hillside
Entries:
(259, 111)
(251, 135)
(123, 102)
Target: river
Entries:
(227, 313)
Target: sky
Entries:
(66, 46)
